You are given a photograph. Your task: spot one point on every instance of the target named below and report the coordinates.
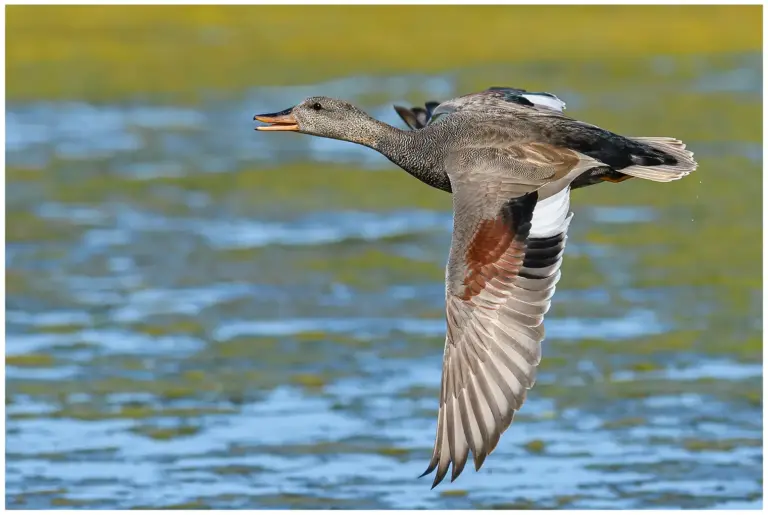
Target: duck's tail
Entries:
(670, 161)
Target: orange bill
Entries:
(282, 121)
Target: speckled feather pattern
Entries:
(510, 159)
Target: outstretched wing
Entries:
(418, 117)
(502, 271)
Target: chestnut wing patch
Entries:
(496, 251)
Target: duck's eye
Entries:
(316, 106)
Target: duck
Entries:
(510, 159)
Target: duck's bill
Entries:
(282, 121)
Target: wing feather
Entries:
(501, 275)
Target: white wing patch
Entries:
(551, 215)
(546, 100)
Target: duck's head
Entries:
(319, 116)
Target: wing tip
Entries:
(457, 470)
(439, 477)
(479, 459)
(429, 470)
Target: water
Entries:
(203, 316)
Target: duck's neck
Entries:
(413, 151)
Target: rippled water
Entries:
(199, 315)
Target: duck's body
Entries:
(418, 118)
(510, 159)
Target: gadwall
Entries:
(510, 159)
